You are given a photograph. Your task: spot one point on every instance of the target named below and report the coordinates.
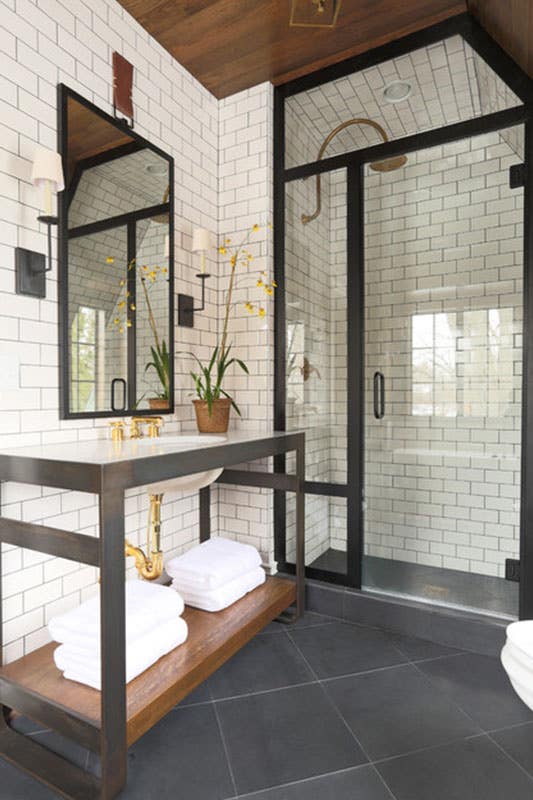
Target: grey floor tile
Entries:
(518, 742)
(417, 649)
(15, 785)
(284, 736)
(360, 783)
(26, 725)
(200, 695)
(340, 649)
(307, 620)
(182, 756)
(474, 769)
(267, 662)
(479, 685)
(397, 710)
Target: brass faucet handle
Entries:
(117, 430)
(135, 428)
(154, 427)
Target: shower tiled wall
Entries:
(444, 241)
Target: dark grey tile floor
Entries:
(327, 710)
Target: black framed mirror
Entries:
(116, 267)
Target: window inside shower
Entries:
(400, 338)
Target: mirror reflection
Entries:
(118, 270)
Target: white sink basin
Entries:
(186, 440)
(187, 483)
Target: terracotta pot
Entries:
(218, 421)
(158, 403)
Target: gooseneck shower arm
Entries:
(380, 166)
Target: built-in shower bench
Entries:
(107, 722)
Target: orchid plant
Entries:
(208, 380)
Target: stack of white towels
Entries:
(216, 573)
(154, 627)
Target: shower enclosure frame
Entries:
(353, 162)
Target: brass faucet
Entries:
(117, 430)
(149, 567)
(154, 424)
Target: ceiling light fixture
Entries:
(397, 91)
(314, 13)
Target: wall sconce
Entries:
(47, 171)
(201, 243)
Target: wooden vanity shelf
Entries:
(108, 722)
(213, 639)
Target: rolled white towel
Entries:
(223, 596)
(146, 605)
(213, 563)
(82, 665)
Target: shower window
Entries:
(464, 363)
(434, 374)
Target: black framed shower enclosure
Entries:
(353, 163)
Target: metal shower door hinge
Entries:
(517, 176)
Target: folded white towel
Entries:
(213, 563)
(146, 605)
(82, 665)
(223, 596)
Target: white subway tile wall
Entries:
(44, 42)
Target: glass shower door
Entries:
(443, 363)
(315, 331)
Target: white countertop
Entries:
(107, 452)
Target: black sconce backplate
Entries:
(30, 274)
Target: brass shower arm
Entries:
(355, 121)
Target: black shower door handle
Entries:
(114, 383)
(379, 395)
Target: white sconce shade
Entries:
(47, 167)
(201, 240)
(47, 171)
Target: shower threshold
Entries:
(482, 594)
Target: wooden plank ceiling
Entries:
(230, 45)
(510, 23)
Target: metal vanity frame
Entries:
(110, 481)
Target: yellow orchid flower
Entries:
(228, 241)
(110, 260)
(259, 282)
(116, 321)
(133, 307)
(274, 284)
(129, 323)
(222, 251)
(249, 307)
(261, 312)
(233, 260)
(121, 304)
(269, 290)
(255, 227)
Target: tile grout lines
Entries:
(341, 716)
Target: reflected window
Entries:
(83, 343)
(463, 363)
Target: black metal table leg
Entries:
(205, 513)
(113, 642)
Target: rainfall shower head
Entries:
(387, 165)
